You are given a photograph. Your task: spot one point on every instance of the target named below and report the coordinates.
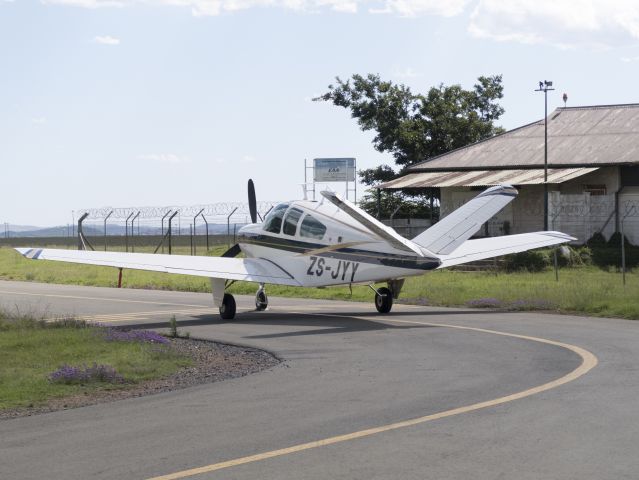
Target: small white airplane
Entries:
(330, 242)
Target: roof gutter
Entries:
(514, 167)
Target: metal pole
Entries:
(162, 241)
(194, 239)
(555, 249)
(545, 87)
(228, 227)
(207, 232)
(80, 239)
(170, 229)
(126, 232)
(132, 233)
(623, 253)
(392, 217)
(105, 232)
(546, 157)
(191, 237)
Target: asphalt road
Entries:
(361, 396)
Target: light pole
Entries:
(545, 87)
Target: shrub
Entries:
(532, 260)
(596, 240)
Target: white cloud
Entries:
(39, 120)
(164, 158)
(565, 24)
(248, 159)
(106, 40)
(406, 73)
(407, 8)
(412, 8)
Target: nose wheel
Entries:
(261, 300)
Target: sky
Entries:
(179, 102)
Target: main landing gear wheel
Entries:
(383, 300)
(261, 300)
(227, 310)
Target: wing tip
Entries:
(32, 253)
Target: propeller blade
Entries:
(234, 251)
(252, 201)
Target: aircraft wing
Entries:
(374, 225)
(248, 269)
(482, 248)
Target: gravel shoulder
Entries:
(212, 362)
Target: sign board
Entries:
(334, 169)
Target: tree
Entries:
(415, 127)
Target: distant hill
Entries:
(96, 231)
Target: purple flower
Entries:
(484, 303)
(534, 304)
(144, 336)
(96, 373)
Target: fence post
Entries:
(207, 232)
(170, 229)
(162, 241)
(80, 233)
(623, 253)
(228, 226)
(126, 232)
(105, 231)
(194, 238)
(132, 231)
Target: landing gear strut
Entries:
(227, 310)
(261, 300)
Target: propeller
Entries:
(252, 202)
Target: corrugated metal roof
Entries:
(482, 178)
(579, 136)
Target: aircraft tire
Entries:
(227, 310)
(383, 300)
(261, 300)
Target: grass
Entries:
(586, 290)
(30, 350)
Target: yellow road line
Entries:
(104, 299)
(589, 361)
(148, 314)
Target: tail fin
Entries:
(449, 233)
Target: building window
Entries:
(595, 189)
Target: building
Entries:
(593, 173)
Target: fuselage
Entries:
(318, 244)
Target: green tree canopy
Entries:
(414, 127)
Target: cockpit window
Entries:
(312, 228)
(273, 221)
(290, 222)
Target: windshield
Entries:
(290, 222)
(273, 221)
